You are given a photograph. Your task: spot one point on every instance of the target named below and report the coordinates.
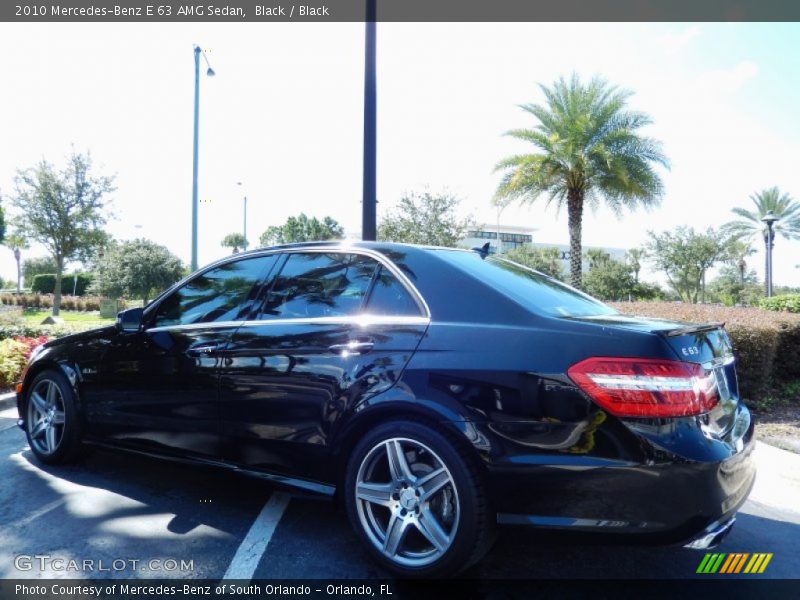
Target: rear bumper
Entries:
(674, 500)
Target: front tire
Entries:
(417, 503)
(52, 425)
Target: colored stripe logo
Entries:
(735, 562)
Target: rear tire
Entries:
(416, 501)
(52, 423)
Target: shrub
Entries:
(786, 303)
(45, 283)
(766, 344)
(45, 301)
(12, 361)
(31, 343)
(14, 354)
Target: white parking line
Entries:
(38, 513)
(252, 548)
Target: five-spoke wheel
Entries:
(46, 416)
(51, 422)
(415, 501)
(407, 501)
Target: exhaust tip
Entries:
(712, 535)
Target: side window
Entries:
(319, 284)
(221, 294)
(390, 297)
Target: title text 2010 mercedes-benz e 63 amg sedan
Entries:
(436, 392)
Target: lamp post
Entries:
(210, 73)
(244, 221)
(500, 209)
(770, 218)
(369, 198)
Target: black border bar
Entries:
(398, 10)
(733, 588)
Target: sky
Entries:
(283, 116)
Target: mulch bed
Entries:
(779, 426)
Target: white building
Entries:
(510, 237)
(514, 236)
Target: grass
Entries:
(34, 316)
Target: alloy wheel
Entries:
(407, 502)
(46, 417)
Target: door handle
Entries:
(203, 349)
(352, 347)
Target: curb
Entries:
(8, 400)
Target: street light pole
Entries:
(770, 218)
(369, 198)
(499, 243)
(244, 223)
(195, 145)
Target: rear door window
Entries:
(319, 284)
(389, 297)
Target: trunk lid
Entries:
(706, 344)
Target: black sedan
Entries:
(435, 392)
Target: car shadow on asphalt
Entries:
(112, 504)
(120, 503)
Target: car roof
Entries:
(344, 244)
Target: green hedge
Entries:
(766, 343)
(785, 302)
(45, 283)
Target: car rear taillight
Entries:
(643, 387)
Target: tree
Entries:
(234, 241)
(63, 210)
(426, 218)
(634, 258)
(686, 255)
(749, 225)
(609, 279)
(302, 229)
(732, 287)
(544, 260)
(597, 257)
(588, 150)
(41, 265)
(136, 269)
(17, 244)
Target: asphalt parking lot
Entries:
(114, 507)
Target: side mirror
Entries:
(130, 320)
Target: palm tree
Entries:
(588, 149)
(634, 257)
(17, 243)
(749, 225)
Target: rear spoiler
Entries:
(693, 329)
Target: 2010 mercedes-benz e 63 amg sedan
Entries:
(436, 392)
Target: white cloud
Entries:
(730, 80)
(675, 41)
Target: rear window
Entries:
(389, 298)
(534, 291)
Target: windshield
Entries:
(533, 290)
